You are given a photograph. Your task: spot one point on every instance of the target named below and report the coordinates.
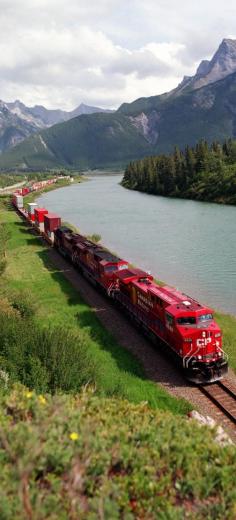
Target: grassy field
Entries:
(56, 303)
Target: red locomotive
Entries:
(184, 325)
(168, 316)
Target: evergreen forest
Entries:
(204, 172)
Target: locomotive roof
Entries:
(106, 255)
(108, 261)
(176, 299)
(133, 274)
(73, 237)
(64, 229)
(177, 302)
(97, 250)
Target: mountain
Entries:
(83, 109)
(39, 116)
(13, 129)
(43, 117)
(221, 65)
(17, 121)
(203, 106)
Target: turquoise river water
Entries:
(188, 244)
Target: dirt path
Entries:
(158, 368)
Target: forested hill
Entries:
(204, 172)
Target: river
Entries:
(188, 244)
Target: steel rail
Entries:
(219, 398)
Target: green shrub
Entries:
(95, 238)
(87, 458)
(48, 359)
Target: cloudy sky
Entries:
(60, 53)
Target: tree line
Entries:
(204, 172)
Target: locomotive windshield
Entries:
(187, 320)
(205, 317)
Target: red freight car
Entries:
(51, 223)
(25, 191)
(39, 215)
(39, 218)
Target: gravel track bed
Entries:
(157, 366)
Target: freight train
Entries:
(169, 317)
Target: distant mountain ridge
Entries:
(202, 106)
(17, 121)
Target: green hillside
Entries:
(95, 140)
(145, 127)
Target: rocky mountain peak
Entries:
(17, 104)
(225, 56)
(203, 68)
(221, 65)
(228, 44)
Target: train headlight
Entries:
(199, 357)
(217, 335)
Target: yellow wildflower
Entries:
(42, 399)
(74, 436)
(29, 394)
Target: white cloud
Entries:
(61, 53)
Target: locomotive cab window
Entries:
(169, 319)
(186, 320)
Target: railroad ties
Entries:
(223, 395)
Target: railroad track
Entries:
(222, 395)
